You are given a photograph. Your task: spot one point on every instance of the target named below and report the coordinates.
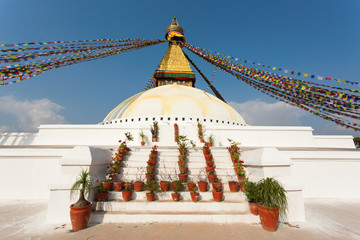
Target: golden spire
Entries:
(174, 32)
(174, 67)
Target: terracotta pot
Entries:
(150, 176)
(181, 163)
(242, 187)
(102, 196)
(212, 178)
(254, 209)
(201, 140)
(194, 196)
(150, 197)
(80, 216)
(175, 196)
(202, 186)
(150, 168)
(152, 162)
(142, 143)
(184, 170)
(217, 196)
(269, 218)
(118, 186)
(209, 164)
(126, 195)
(108, 185)
(216, 185)
(209, 144)
(138, 186)
(209, 157)
(241, 177)
(164, 186)
(155, 139)
(182, 151)
(183, 177)
(191, 186)
(234, 186)
(114, 177)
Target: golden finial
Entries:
(174, 32)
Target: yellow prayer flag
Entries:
(305, 74)
(274, 68)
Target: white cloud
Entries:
(259, 113)
(334, 129)
(29, 114)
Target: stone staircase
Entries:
(233, 208)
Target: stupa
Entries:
(46, 163)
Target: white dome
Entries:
(175, 101)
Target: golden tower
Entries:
(174, 67)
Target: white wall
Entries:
(17, 138)
(270, 162)
(79, 158)
(25, 173)
(327, 174)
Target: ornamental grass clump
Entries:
(271, 194)
(83, 184)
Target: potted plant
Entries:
(127, 192)
(108, 182)
(191, 185)
(139, 181)
(143, 137)
(210, 141)
(164, 180)
(129, 184)
(152, 186)
(233, 184)
(129, 136)
(102, 192)
(155, 131)
(216, 183)
(118, 186)
(251, 193)
(176, 185)
(81, 210)
(272, 202)
(211, 174)
(150, 174)
(194, 195)
(176, 132)
(202, 181)
(206, 149)
(183, 175)
(200, 132)
(217, 194)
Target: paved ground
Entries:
(326, 219)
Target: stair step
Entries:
(168, 217)
(204, 196)
(182, 206)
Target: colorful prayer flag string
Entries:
(281, 69)
(32, 61)
(341, 107)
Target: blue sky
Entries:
(321, 37)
